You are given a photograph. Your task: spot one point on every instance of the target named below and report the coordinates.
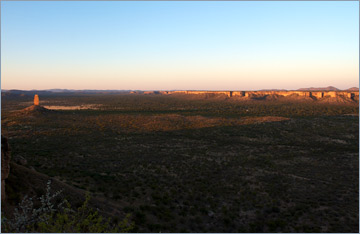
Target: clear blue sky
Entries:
(179, 45)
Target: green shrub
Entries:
(48, 218)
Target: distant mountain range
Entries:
(353, 89)
(329, 88)
(272, 90)
(86, 90)
(59, 91)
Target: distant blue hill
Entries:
(329, 88)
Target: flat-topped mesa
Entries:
(36, 100)
(316, 95)
(227, 93)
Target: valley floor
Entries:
(181, 165)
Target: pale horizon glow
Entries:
(179, 45)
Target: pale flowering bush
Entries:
(50, 217)
(25, 215)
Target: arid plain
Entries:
(190, 161)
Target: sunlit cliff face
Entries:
(316, 94)
(36, 100)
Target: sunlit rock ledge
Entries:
(312, 94)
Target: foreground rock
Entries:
(5, 165)
(19, 160)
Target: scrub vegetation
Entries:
(189, 164)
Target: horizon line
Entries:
(228, 90)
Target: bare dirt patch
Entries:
(79, 107)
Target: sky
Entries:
(182, 45)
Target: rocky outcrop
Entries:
(5, 165)
(36, 100)
(34, 110)
(19, 160)
(317, 95)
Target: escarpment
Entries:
(245, 95)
